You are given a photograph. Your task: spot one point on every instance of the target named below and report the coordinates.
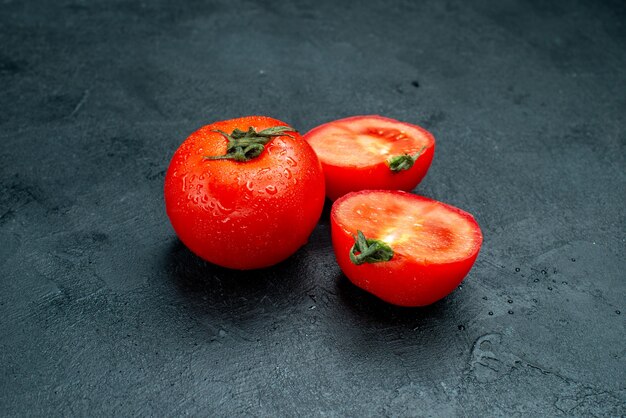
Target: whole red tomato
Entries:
(406, 249)
(244, 193)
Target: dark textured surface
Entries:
(104, 312)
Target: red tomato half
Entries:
(434, 245)
(356, 153)
(244, 214)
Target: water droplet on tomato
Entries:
(249, 186)
(222, 208)
(276, 145)
(291, 162)
(287, 173)
(271, 189)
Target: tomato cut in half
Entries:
(371, 153)
(244, 193)
(406, 249)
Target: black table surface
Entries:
(104, 312)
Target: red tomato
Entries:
(370, 153)
(429, 246)
(254, 202)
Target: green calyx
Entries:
(404, 161)
(246, 145)
(369, 250)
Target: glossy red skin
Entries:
(341, 180)
(400, 281)
(227, 213)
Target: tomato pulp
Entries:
(244, 214)
(434, 244)
(371, 152)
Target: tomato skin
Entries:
(244, 215)
(343, 179)
(400, 281)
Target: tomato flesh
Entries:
(244, 215)
(354, 153)
(434, 244)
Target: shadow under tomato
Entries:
(233, 294)
(325, 217)
(397, 345)
(373, 309)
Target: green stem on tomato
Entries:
(369, 250)
(404, 161)
(246, 145)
